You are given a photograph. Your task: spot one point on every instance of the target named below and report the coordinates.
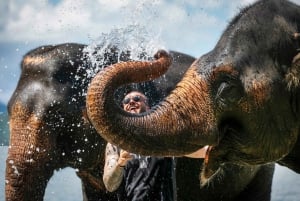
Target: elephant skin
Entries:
(49, 128)
(241, 98)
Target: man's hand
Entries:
(124, 158)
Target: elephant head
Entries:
(241, 98)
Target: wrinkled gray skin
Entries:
(49, 128)
(241, 98)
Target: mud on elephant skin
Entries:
(49, 128)
(241, 98)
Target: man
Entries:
(137, 178)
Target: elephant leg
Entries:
(93, 187)
(28, 165)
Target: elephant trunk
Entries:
(27, 168)
(173, 123)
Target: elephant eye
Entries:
(227, 93)
(221, 89)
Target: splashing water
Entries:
(139, 38)
(134, 41)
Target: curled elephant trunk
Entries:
(172, 123)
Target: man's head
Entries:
(135, 102)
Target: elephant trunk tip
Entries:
(161, 53)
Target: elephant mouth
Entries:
(221, 153)
(210, 167)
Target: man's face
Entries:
(135, 102)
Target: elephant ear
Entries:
(292, 160)
(292, 79)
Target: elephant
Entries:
(246, 182)
(49, 127)
(241, 98)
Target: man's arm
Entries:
(113, 168)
